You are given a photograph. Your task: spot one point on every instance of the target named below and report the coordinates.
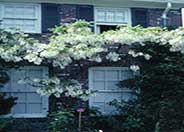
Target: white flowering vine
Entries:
(74, 42)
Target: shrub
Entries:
(62, 122)
(4, 124)
(6, 103)
(161, 86)
(131, 116)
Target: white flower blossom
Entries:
(147, 56)
(135, 68)
(112, 56)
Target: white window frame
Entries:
(45, 99)
(98, 23)
(90, 81)
(182, 11)
(37, 18)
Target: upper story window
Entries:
(26, 17)
(109, 18)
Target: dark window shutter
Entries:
(50, 16)
(85, 12)
(139, 17)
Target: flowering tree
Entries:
(159, 51)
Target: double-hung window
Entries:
(103, 81)
(109, 18)
(29, 103)
(22, 16)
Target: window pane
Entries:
(110, 16)
(19, 108)
(34, 98)
(5, 88)
(99, 105)
(111, 96)
(120, 16)
(101, 15)
(99, 85)
(99, 75)
(30, 12)
(98, 97)
(112, 85)
(16, 76)
(21, 97)
(110, 109)
(19, 11)
(9, 11)
(126, 74)
(112, 75)
(34, 108)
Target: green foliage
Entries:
(157, 127)
(4, 124)
(4, 78)
(67, 121)
(131, 116)
(77, 27)
(62, 122)
(161, 86)
(6, 103)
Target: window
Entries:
(103, 81)
(104, 28)
(26, 17)
(111, 17)
(29, 103)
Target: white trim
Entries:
(37, 17)
(182, 16)
(24, 115)
(97, 23)
(109, 68)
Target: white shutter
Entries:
(103, 81)
(29, 103)
(26, 17)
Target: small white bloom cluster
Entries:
(134, 68)
(133, 54)
(54, 86)
(113, 56)
(78, 42)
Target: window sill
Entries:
(24, 116)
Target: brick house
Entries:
(37, 16)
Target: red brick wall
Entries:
(174, 17)
(68, 13)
